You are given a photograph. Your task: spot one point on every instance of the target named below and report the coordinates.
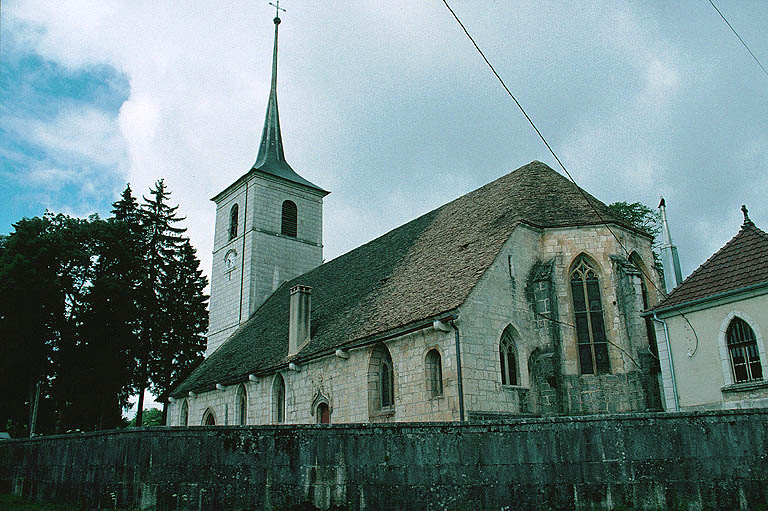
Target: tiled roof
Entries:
(742, 262)
(421, 269)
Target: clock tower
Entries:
(269, 229)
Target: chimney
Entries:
(298, 326)
(669, 258)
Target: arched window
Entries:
(742, 349)
(323, 414)
(381, 381)
(184, 416)
(588, 311)
(233, 215)
(278, 399)
(434, 368)
(242, 406)
(508, 357)
(290, 219)
(209, 419)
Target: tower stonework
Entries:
(269, 229)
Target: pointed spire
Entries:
(271, 157)
(673, 275)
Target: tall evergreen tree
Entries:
(185, 312)
(162, 240)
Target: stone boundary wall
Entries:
(699, 460)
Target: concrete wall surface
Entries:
(693, 460)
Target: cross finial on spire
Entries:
(744, 210)
(277, 7)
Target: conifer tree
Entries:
(162, 240)
(184, 307)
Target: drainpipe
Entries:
(458, 368)
(671, 363)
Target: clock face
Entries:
(229, 260)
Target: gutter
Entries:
(709, 298)
(671, 362)
(458, 369)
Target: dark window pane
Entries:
(503, 366)
(579, 304)
(585, 359)
(582, 328)
(601, 357)
(757, 370)
(512, 368)
(598, 332)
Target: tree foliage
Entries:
(644, 219)
(93, 311)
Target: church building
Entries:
(520, 298)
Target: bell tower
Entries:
(269, 229)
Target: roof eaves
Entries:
(705, 299)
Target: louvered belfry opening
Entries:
(290, 219)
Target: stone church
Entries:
(515, 299)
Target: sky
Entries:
(387, 105)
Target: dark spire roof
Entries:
(423, 268)
(271, 158)
(741, 263)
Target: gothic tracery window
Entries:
(434, 368)
(588, 311)
(290, 219)
(742, 350)
(233, 217)
(508, 358)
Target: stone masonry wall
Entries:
(693, 461)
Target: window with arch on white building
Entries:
(209, 419)
(233, 218)
(290, 219)
(242, 406)
(743, 352)
(278, 399)
(434, 367)
(184, 415)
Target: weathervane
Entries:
(277, 7)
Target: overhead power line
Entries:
(552, 152)
(740, 39)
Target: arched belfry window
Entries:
(508, 357)
(233, 217)
(434, 366)
(588, 311)
(290, 219)
(742, 350)
(278, 399)
(184, 416)
(242, 406)
(381, 381)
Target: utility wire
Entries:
(552, 152)
(740, 39)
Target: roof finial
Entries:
(277, 7)
(744, 210)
